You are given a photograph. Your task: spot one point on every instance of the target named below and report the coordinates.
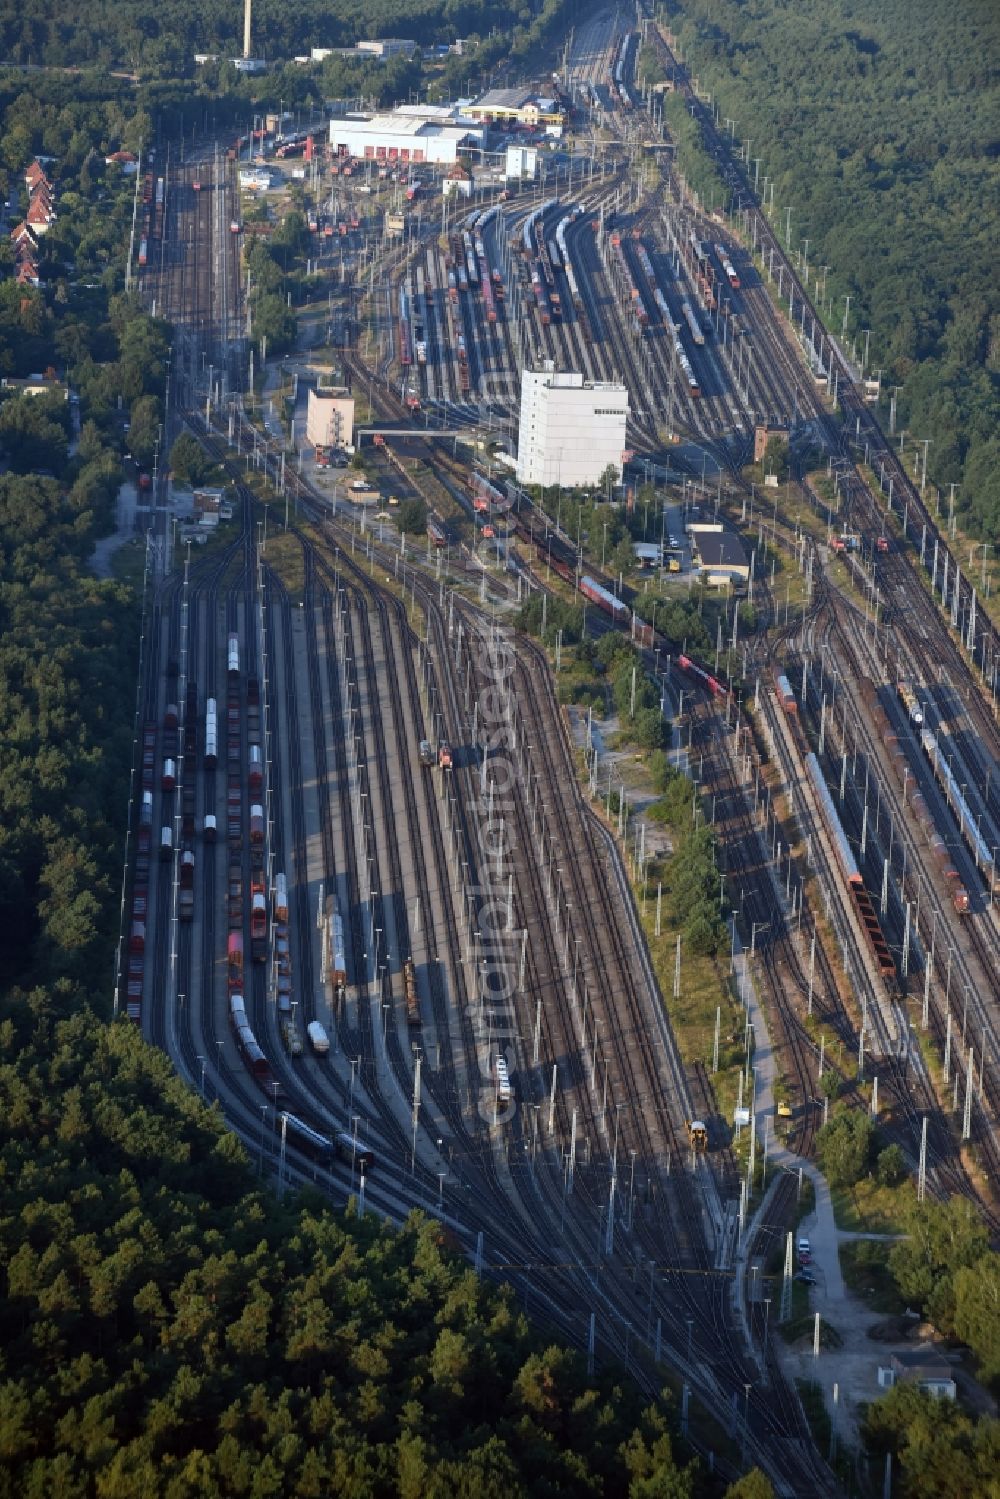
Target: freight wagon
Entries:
(410, 995)
(254, 1059)
(957, 893)
(604, 599)
(874, 936)
(336, 956)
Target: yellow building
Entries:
(522, 106)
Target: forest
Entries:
(877, 124)
(163, 39)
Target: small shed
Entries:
(923, 1366)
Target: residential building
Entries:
(206, 501)
(23, 239)
(35, 176)
(36, 385)
(330, 418)
(128, 163)
(571, 429)
(39, 216)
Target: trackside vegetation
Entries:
(876, 125)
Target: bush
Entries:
(891, 1166)
(188, 460)
(650, 729)
(844, 1147)
(411, 517)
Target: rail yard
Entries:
(372, 909)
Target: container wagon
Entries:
(258, 920)
(211, 733)
(280, 898)
(715, 685)
(604, 599)
(336, 955)
(354, 1151)
(410, 995)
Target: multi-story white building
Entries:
(571, 428)
(330, 418)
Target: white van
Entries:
(318, 1038)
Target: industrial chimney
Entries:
(246, 28)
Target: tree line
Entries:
(877, 125)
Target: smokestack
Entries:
(246, 29)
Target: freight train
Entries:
(714, 684)
(405, 344)
(886, 734)
(978, 847)
(877, 945)
(253, 1056)
(848, 865)
(727, 266)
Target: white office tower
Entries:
(571, 428)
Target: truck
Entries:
(318, 1038)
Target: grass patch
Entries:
(865, 1268)
(284, 555)
(579, 684)
(692, 1014)
(807, 1200)
(870, 1208)
(804, 1327)
(128, 563)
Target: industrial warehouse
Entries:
(424, 133)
